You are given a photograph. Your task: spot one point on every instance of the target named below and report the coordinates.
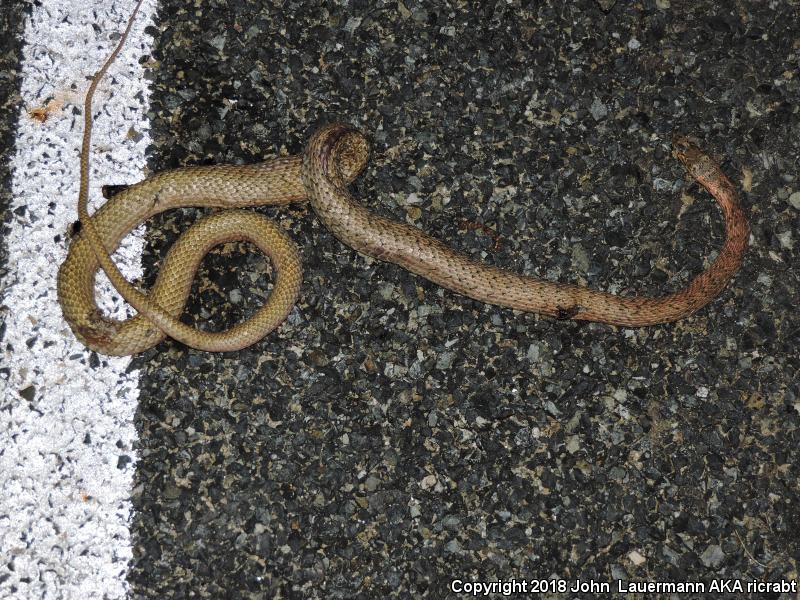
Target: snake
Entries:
(333, 157)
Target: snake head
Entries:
(685, 150)
(698, 164)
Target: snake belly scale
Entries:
(333, 157)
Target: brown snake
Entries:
(333, 157)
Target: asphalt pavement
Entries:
(392, 439)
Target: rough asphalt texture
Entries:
(393, 436)
(12, 21)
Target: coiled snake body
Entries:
(333, 157)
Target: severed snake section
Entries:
(333, 157)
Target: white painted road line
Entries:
(66, 459)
